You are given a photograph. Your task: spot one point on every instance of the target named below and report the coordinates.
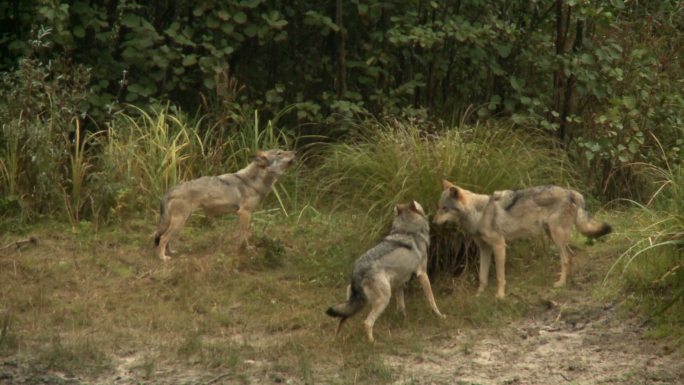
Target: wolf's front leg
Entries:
(500, 257)
(427, 290)
(485, 261)
(245, 232)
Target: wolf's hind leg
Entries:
(401, 305)
(499, 250)
(378, 292)
(176, 222)
(561, 237)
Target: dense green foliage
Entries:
(603, 77)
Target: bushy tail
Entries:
(163, 222)
(354, 303)
(585, 223)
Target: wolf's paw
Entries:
(559, 283)
(500, 295)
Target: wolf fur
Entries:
(507, 215)
(239, 192)
(387, 267)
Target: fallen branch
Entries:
(21, 242)
(217, 378)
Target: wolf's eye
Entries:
(279, 152)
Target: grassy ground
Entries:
(95, 305)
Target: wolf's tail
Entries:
(585, 223)
(163, 222)
(347, 309)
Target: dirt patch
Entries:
(588, 346)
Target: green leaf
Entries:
(209, 83)
(518, 118)
(517, 83)
(240, 17)
(633, 147)
(139, 89)
(494, 101)
(503, 49)
(189, 60)
(79, 32)
(629, 102)
(250, 3)
(212, 22)
(227, 28)
(251, 30)
(586, 58)
(223, 15)
(130, 20)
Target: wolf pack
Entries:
(491, 220)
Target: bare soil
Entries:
(590, 346)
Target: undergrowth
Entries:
(653, 265)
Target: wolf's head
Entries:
(410, 218)
(275, 161)
(452, 203)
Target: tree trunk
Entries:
(341, 52)
(564, 134)
(560, 49)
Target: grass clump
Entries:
(653, 266)
(74, 356)
(9, 341)
(400, 161)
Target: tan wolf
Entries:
(507, 215)
(387, 267)
(238, 192)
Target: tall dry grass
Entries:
(651, 269)
(398, 161)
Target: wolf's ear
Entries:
(446, 184)
(416, 207)
(453, 191)
(398, 209)
(260, 159)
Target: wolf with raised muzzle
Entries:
(505, 215)
(238, 192)
(387, 267)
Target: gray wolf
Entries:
(387, 267)
(507, 215)
(239, 192)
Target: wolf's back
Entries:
(585, 223)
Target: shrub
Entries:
(399, 161)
